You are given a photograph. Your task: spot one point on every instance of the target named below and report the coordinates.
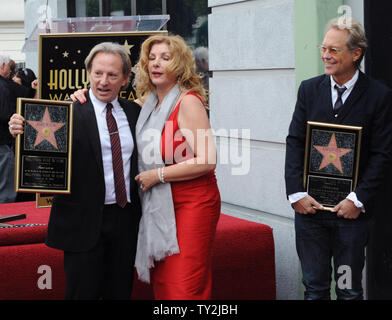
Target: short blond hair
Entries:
(356, 38)
(182, 65)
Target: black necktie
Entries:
(118, 170)
(339, 102)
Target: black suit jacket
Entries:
(369, 105)
(7, 109)
(75, 219)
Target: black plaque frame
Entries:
(43, 158)
(331, 161)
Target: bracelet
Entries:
(161, 174)
(162, 177)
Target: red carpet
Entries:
(35, 234)
(243, 259)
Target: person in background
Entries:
(26, 86)
(201, 60)
(12, 65)
(25, 89)
(26, 77)
(7, 108)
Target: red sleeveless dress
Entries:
(197, 204)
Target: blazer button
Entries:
(336, 115)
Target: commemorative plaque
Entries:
(63, 45)
(331, 161)
(43, 151)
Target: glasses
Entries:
(332, 51)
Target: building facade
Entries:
(12, 34)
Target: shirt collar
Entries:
(101, 106)
(349, 84)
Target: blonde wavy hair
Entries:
(182, 65)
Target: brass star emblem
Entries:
(127, 46)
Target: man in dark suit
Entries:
(97, 224)
(343, 95)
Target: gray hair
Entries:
(4, 58)
(356, 38)
(200, 54)
(110, 47)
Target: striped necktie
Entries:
(118, 170)
(339, 102)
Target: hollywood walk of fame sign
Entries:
(43, 151)
(331, 161)
(61, 60)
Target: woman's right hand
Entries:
(79, 95)
(16, 124)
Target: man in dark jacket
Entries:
(7, 108)
(346, 96)
(97, 224)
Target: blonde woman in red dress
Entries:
(167, 83)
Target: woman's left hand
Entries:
(147, 179)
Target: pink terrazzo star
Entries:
(46, 129)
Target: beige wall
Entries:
(12, 33)
(251, 55)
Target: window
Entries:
(188, 18)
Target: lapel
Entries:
(132, 117)
(324, 100)
(351, 103)
(89, 121)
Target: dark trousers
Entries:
(7, 184)
(322, 237)
(107, 270)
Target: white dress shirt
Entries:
(126, 141)
(349, 87)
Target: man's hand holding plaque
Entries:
(346, 209)
(307, 205)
